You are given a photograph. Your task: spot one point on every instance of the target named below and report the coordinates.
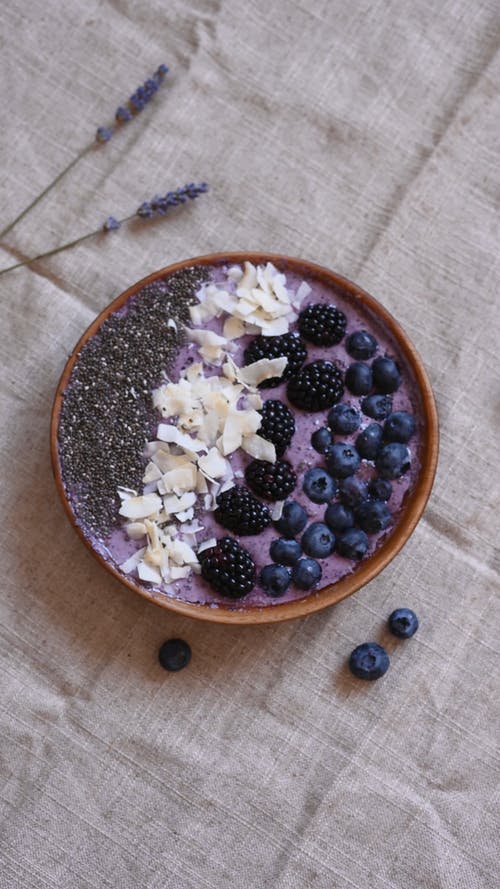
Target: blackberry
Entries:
(316, 387)
(228, 568)
(239, 511)
(273, 481)
(289, 345)
(322, 324)
(277, 425)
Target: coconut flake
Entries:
(140, 507)
(135, 530)
(148, 573)
(132, 562)
(259, 448)
(277, 510)
(207, 544)
(264, 369)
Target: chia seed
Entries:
(107, 415)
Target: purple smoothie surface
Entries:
(115, 546)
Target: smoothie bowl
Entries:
(244, 438)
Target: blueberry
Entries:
(306, 574)
(342, 459)
(399, 426)
(293, 519)
(321, 439)
(343, 419)
(369, 441)
(369, 661)
(361, 345)
(275, 580)
(380, 489)
(339, 517)
(319, 485)
(359, 378)
(403, 622)
(285, 552)
(318, 541)
(393, 460)
(352, 490)
(386, 376)
(373, 516)
(352, 544)
(377, 407)
(174, 655)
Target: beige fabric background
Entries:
(360, 135)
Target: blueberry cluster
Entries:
(360, 459)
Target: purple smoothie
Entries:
(116, 546)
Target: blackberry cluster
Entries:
(228, 568)
(239, 511)
(322, 324)
(316, 387)
(273, 481)
(278, 424)
(289, 345)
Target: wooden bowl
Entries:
(407, 519)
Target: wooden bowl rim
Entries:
(389, 548)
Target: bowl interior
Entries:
(414, 503)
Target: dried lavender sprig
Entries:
(135, 104)
(157, 206)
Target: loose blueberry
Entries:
(352, 491)
(293, 519)
(393, 460)
(377, 407)
(403, 622)
(369, 441)
(319, 486)
(380, 489)
(321, 439)
(359, 378)
(373, 516)
(318, 541)
(343, 419)
(361, 345)
(386, 376)
(275, 580)
(400, 426)
(342, 459)
(352, 544)
(306, 574)
(285, 552)
(369, 661)
(174, 655)
(339, 517)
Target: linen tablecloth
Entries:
(362, 136)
